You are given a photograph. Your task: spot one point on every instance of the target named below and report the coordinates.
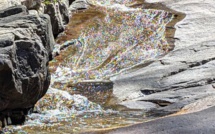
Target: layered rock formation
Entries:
(184, 75)
(58, 11)
(26, 44)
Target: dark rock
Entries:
(26, 44)
(53, 11)
(64, 10)
(13, 11)
(70, 1)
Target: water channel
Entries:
(107, 39)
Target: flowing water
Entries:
(108, 39)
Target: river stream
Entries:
(108, 39)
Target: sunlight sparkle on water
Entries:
(125, 37)
(114, 44)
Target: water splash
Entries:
(59, 108)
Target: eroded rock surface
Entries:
(184, 75)
(58, 11)
(79, 5)
(26, 43)
(195, 123)
(57, 23)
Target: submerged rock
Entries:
(26, 44)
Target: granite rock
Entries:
(26, 44)
(185, 74)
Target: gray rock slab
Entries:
(196, 123)
(185, 74)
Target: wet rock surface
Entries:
(195, 123)
(184, 75)
(182, 79)
(26, 43)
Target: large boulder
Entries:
(26, 44)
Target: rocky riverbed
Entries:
(121, 63)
